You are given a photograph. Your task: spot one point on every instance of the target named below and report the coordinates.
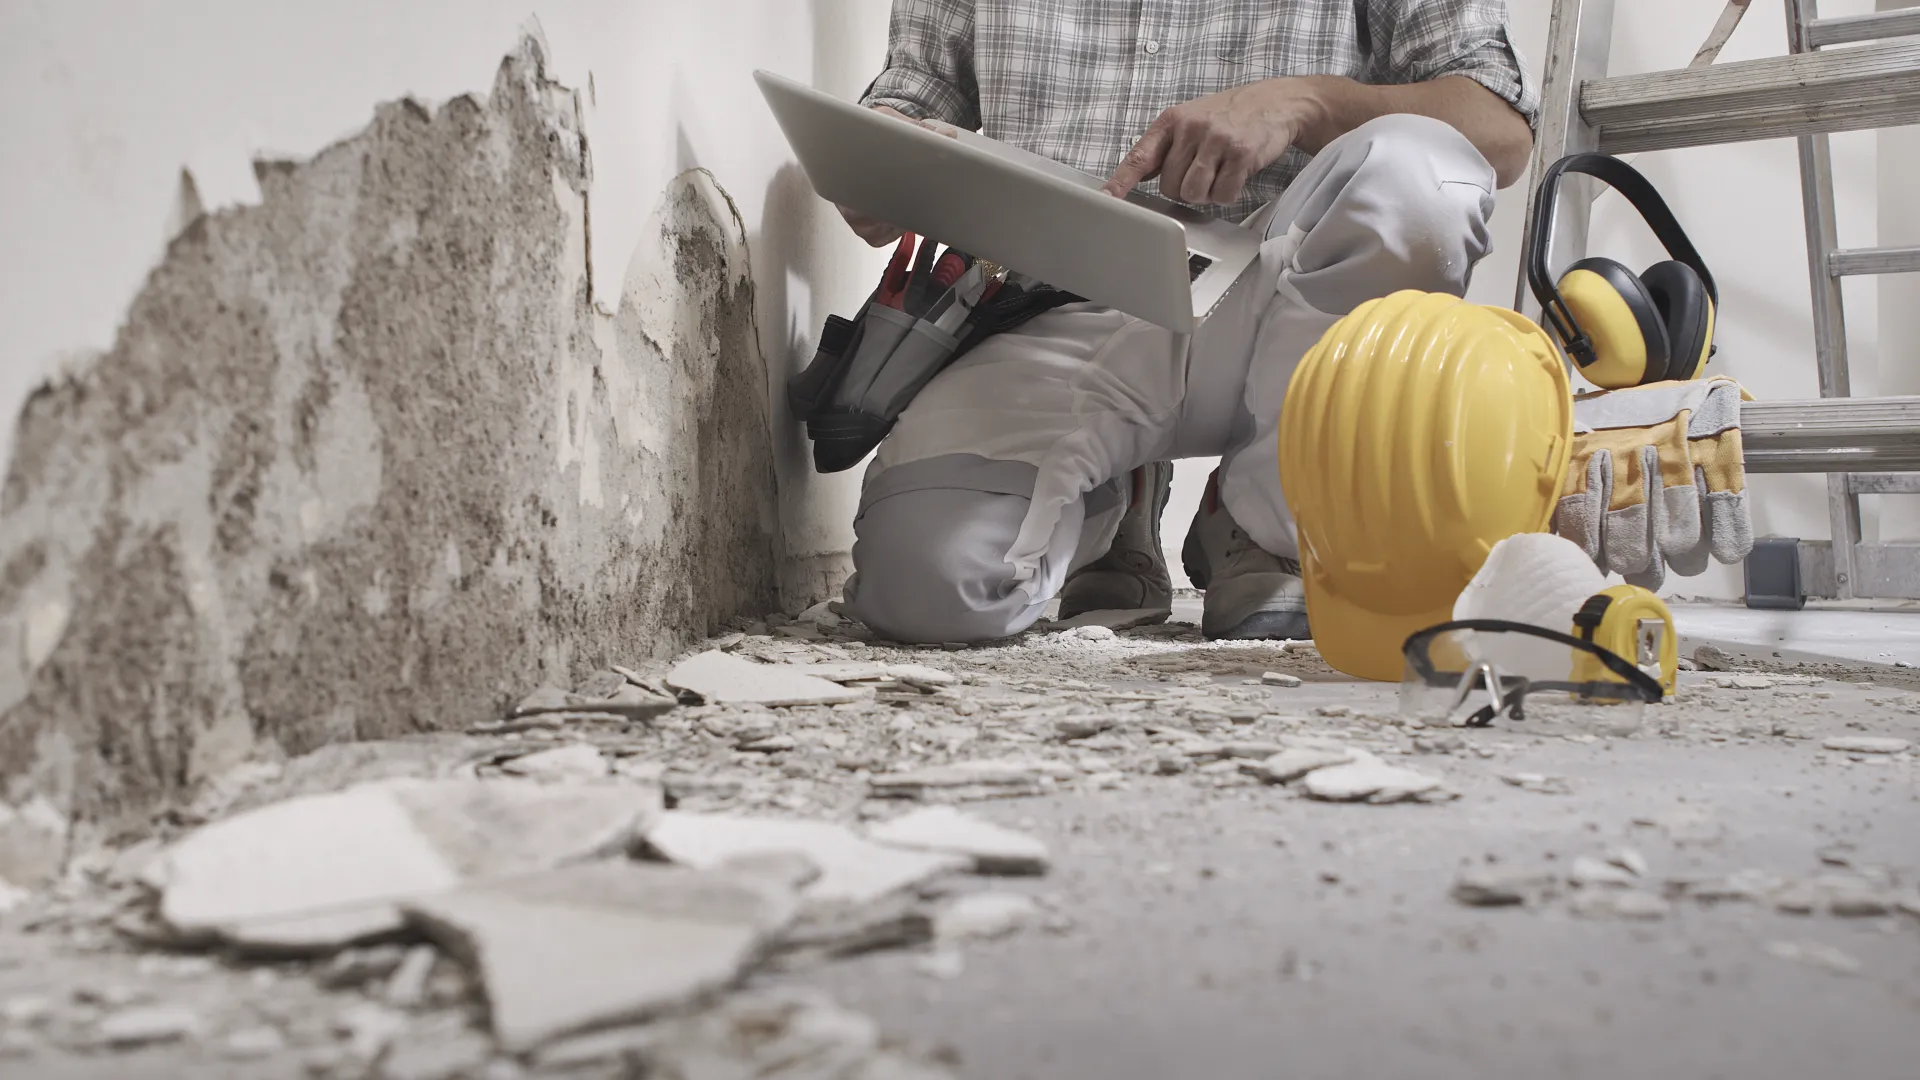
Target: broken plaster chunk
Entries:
(993, 849)
(1539, 783)
(601, 943)
(719, 677)
(1743, 682)
(1866, 744)
(852, 868)
(1814, 954)
(1621, 904)
(145, 1026)
(1091, 632)
(1370, 779)
(627, 700)
(1290, 765)
(1588, 871)
(984, 916)
(323, 871)
(1628, 859)
(580, 761)
(1276, 678)
(1009, 778)
(1493, 887)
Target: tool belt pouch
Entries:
(867, 369)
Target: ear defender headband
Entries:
(1632, 329)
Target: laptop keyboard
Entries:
(1196, 265)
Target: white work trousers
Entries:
(1008, 470)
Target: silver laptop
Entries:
(1149, 257)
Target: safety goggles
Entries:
(1469, 672)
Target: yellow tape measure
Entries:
(1634, 624)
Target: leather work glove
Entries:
(1657, 479)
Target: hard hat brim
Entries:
(1354, 641)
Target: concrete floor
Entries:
(1220, 927)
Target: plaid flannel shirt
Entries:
(1080, 81)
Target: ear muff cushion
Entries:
(1687, 312)
(1613, 307)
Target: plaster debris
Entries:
(782, 1032)
(723, 678)
(1588, 872)
(253, 1042)
(1815, 954)
(984, 915)
(369, 1029)
(1087, 633)
(580, 761)
(444, 1049)
(972, 780)
(1867, 744)
(320, 871)
(1539, 783)
(1117, 618)
(143, 1026)
(1628, 859)
(852, 868)
(1621, 904)
(1482, 886)
(1290, 765)
(602, 943)
(943, 963)
(993, 849)
(1276, 678)
(1372, 780)
(407, 989)
(353, 968)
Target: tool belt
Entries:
(926, 313)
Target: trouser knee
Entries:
(930, 551)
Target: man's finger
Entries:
(1229, 183)
(1141, 163)
(1176, 173)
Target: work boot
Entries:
(1250, 593)
(1133, 573)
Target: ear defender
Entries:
(1624, 329)
(1687, 314)
(1623, 319)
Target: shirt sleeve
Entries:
(1420, 40)
(929, 69)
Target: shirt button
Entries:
(1153, 47)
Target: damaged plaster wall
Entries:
(364, 458)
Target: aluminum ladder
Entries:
(1864, 445)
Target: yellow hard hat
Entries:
(1417, 433)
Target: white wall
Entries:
(111, 98)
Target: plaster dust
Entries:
(364, 460)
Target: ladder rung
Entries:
(1869, 86)
(1831, 435)
(1832, 422)
(1907, 483)
(1888, 260)
(1845, 459)
(1880, 24)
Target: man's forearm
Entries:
(1492, 125)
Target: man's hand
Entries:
(879, 233)
(1206, 150)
